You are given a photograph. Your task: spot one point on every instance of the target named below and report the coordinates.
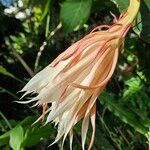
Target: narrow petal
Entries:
(92, 118)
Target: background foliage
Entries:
(33, 33)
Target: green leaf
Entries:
(16, 138)
(125, 114)
(137, 99)
(134, 85)
(27, 121)
(6, 73)
(121, 4)
(102, 142)
(34, 134)
(147, 3)
(142, 25)
(46, 9)
(74, 14)
(7, 147)
(4, 139)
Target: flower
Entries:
(74, 80)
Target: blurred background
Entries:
(33, 33)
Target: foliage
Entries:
(74, 9)
(33, 33)
(24, 135)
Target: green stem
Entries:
(6, 120)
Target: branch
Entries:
(24, 64)
(41, 49)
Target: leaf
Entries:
(134, 85)
(34, 134)
(142, 27)
(6, 73)
(147, 3)
(27, 121)
(46, 9)
(125, 114)
(137, 99)
(7, 147)
(16, 138)
(74, 14)
(102, 142)
(4, 139)
(121, 4)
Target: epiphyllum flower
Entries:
(74, 80)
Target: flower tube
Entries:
(68, 87)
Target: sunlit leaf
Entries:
(27, 122)
(134, 84)
(16, 138)
(74, 14)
